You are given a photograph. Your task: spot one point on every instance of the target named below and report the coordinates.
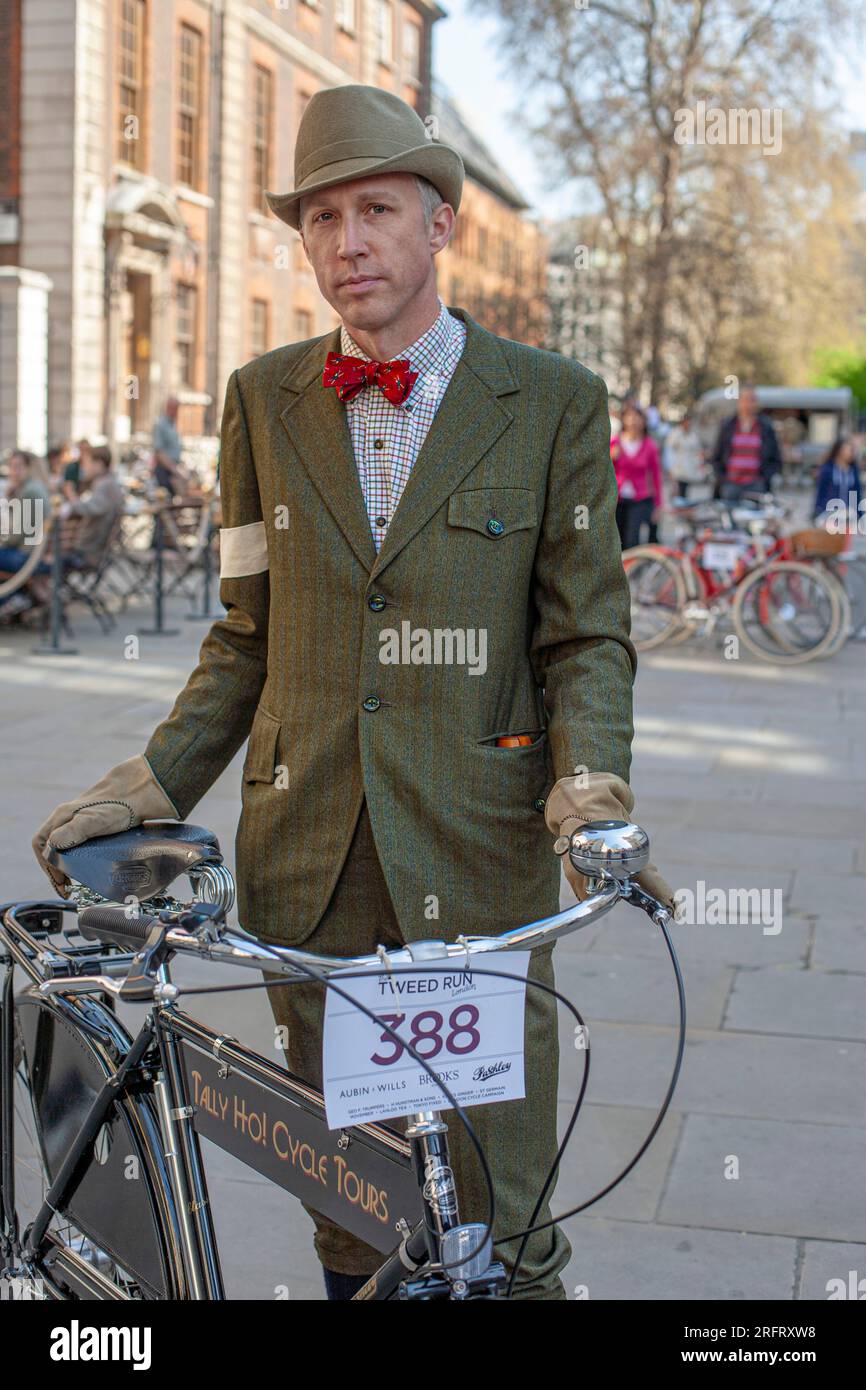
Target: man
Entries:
(56, 461)
(167, 449)
(24, 509)
(75, 471)
(746, 456)
(100, 505)
(408, 471)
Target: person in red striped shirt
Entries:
(746, 456)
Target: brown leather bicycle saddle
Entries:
(139, 862)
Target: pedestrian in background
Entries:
(55, 462)
(637, 466)
(28, 484)
(684, 456)
(746, 456)
(75, 469)
(167, 450)
(100, 505)
(839, 479)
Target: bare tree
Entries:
(698, 217)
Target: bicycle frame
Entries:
(377, 1183)
(181, 1081)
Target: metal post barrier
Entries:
(158, 629)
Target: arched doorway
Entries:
(146, 238)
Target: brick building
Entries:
(137, 255)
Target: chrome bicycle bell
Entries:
(607, 849)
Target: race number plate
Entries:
(467, 1026)
(720, 556)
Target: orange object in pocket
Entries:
(513, 740)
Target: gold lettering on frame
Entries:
(256, 1126)
(359, 1192)
(281, 1136)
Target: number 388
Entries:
(461, 1035)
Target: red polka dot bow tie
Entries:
(349, 375)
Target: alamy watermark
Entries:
(736, 125)
(720, 907)
(22, 516)
(841, 519)
(438, 646)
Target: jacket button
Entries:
(376, 602)
(495, 527)
(372, 703)
(539, 803)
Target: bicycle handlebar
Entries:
(609, 852)
(244, 950)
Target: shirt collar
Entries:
(424, 353)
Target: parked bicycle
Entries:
(784, 601)
(84, 1105)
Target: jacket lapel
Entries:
(467, 423)
(315, 420)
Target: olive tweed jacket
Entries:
(497, 605)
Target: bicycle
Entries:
(782, 609)
(92, 1100)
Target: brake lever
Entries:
(205, 920)
(136, 985)
(139, 981)
(639, 897)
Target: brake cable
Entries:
(545, 1225)
(392, 1033)
(524, 1234)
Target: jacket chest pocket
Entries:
(493, 511)
(260, 762)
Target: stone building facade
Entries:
(137, 256)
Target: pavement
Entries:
(747, 777)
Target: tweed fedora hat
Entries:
(350, 131)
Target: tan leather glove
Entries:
(125, 796)
(597, 796)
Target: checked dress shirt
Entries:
(387, 438)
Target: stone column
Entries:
(24, 359)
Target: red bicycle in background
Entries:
(785, 600)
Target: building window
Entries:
(411, 50)
(303, 324)
(259, 327)
(189, 108)
(184, 334)
(384, 21)
(263, 106)
(130, 82)
(344, 15)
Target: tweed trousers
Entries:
(518, 1137)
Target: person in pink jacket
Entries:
(638, 471)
